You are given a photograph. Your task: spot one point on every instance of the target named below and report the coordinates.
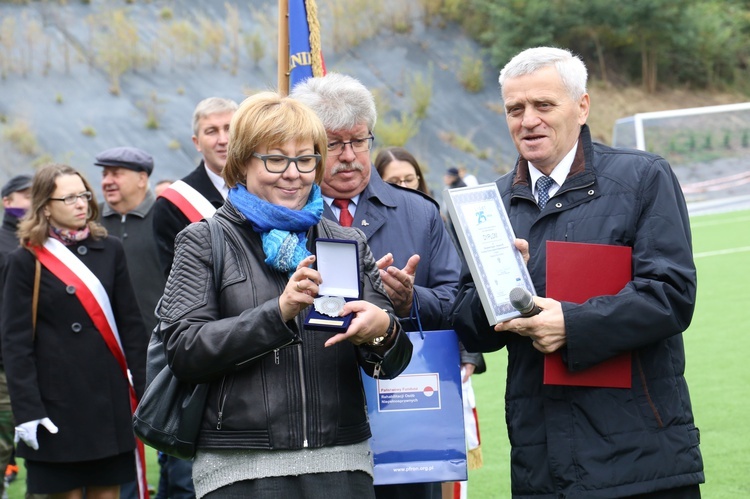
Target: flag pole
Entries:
(283, 64)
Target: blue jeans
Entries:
(175, 478)
(129, 490)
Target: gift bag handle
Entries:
(414, 314)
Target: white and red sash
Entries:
(64, 265)
(191, 203)
(460, 490)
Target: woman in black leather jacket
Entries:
(286, 413)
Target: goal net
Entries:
(708, 147)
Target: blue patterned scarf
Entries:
(283, 231)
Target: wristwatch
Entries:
(377, 342)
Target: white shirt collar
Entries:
(337, 211)
(218, 182)
(559, 173)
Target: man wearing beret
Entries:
(127, 213)
(16, 200)
(202, 191)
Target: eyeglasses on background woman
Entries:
(398, 166)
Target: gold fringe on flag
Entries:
(315, 48)
(474, 458)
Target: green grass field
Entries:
(718, 355)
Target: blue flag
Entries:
(300, 60)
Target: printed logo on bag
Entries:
(409, 392)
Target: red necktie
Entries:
(345, 217)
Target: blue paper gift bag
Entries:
(417, 418)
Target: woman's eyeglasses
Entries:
(405, 181)
(73, 198)
(278, 163)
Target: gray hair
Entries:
(209, 106)
(340, 101)
(570, 67)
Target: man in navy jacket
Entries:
(572, 441)
(403, 226)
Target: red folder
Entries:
(575, 273)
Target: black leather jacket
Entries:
(273, 384)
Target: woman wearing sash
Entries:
(68, 352)
(285, 415)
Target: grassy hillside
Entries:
(77, 78)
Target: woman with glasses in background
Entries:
(396, 165)
(73, 344)
(285, 414)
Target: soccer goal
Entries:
(708, 147)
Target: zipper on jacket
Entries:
(223, 391)
(261, 355)
(222, 401)
(303, 395)
(650, 401)
(376, 371)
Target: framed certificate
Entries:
(486, 238)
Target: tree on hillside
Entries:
(715, 42)
(654, 25)
(701, 43)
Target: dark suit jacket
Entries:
(404, 222)
(169, 220)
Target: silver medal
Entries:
(329, 305)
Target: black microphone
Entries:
(522, 301)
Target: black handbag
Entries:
(169, 415)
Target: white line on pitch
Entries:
(719, 222)
(721, 252)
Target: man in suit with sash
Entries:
(198, 194)
(188, 200)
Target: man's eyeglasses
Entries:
(337, 147)
(405, 181)
(278, 163)
(72, 198)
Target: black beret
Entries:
(131, 158)
(17, 183)
(453, 171)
